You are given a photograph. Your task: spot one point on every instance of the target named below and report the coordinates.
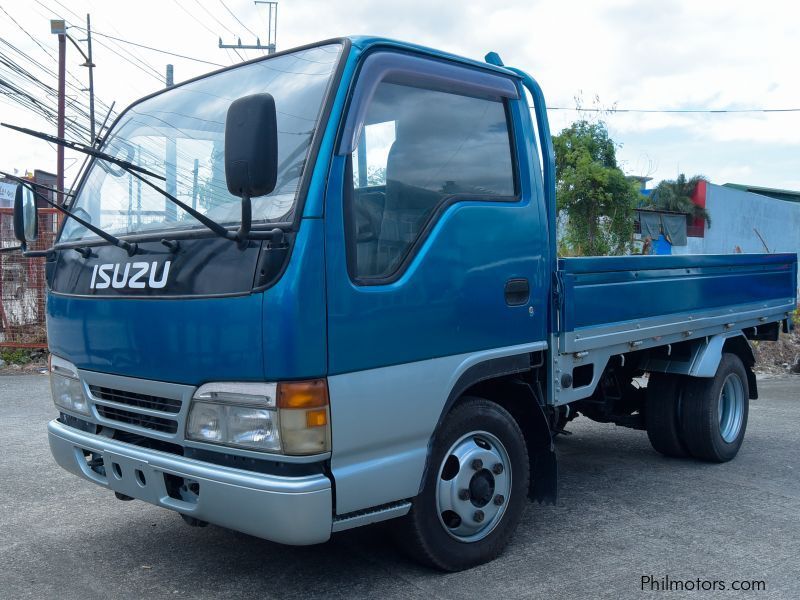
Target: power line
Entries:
(207, 62)
(199, 22)
(677, 110)
(210, 14)
(143, 67)
(237, 18)
(25, 31)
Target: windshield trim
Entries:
(200, 231)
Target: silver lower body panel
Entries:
(287, 510)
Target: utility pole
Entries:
(90, 64)
(272, 23)
(59, 27)
(170, 166)
(272, 32)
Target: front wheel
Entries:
(474, 491)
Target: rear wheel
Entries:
(662, 414)
(474, 491)
(714, 412)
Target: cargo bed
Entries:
(612, 305)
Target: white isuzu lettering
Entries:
(137, 272)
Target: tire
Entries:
(475, 430)
(714, 412)
(662, 414)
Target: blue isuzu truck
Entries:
(320, 289)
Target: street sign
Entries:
(58, 26)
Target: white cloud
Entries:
(667, 54)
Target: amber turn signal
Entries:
(303, 394)
(317, 417)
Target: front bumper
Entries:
(288, 510)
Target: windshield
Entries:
(180, 135)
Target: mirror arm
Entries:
(247, 219)
(276, 235)
(38, 253)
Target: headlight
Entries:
(66, 388)
(288, 418)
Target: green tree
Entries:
(595, 201)
(676, 195)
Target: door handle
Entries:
(517, 292)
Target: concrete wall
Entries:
(735, 214)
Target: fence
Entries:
(22, 284)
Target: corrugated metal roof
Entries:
(789, 195)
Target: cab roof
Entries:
(366, 42)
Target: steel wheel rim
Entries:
(731, 407)
(477, 463)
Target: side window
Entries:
(419, 148)
(369, 161)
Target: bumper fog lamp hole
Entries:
(140, 478)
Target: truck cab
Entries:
(348, 307)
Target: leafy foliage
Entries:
(595, 200)
(676, 195)
(15, 356)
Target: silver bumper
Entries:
(288, 510)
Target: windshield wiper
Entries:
(85, 149)
(136, 171)
(127, 246)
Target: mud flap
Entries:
(544, 480)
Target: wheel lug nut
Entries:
(477, 464)
(497, 468)
(463, 494)
(478, 516)
(499, 499)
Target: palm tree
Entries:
(676, 195)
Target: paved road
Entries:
(624, 512)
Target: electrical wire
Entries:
(124, 41)
(199, 22)
(210, 14)
(711, 111)
(237, 18)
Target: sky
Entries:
(653, 55)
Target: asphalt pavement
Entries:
(624, 513)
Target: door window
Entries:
(418, 149)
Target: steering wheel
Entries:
(113, 169)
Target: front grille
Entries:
(137, 419)
(169, 405)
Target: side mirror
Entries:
(26, 217)
(251, 146)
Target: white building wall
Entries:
(736, 214)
